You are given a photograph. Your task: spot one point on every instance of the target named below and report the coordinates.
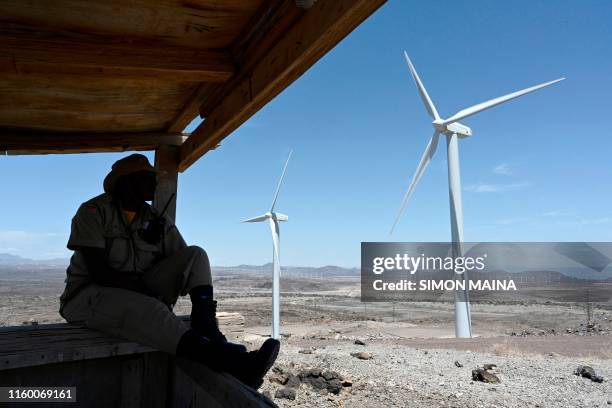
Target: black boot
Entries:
(248, 367)
(203, 315)
(264, 359)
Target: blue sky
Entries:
(537, 168)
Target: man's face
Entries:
(143, 184)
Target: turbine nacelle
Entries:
(268, 216)
(279, 217)
(457, 128)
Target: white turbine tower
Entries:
(273, 219)
(453, 130)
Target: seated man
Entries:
(129, 267)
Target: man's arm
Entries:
(173, 240)
(87, 238)
(102, 274)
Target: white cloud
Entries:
(587, 221)
(35, 245)
(503, 169)
(558, 213)
(514, 220)
(495, 188)
(25, 236)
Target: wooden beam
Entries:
(14, 142)
(24, 56)
(190, 23)
(272, 21)
(314, 34)
(190, 109)
(166, 160)
(265, 29)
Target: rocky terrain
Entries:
(340, 352)
(397, 375)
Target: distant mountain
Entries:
(302, 271)
(563, 275)
(8, 259)
(328, 270)
(17, 268)
(16, 260)
(14, 266)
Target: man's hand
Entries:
(154, 231)
(102, 274)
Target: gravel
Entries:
(401, 376)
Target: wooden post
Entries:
(166, 159)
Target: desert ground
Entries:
(408, 356)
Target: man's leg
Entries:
(126, 314)
(188, 271)
(143, 319)
(179, 273)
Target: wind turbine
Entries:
(273, 219)
(453, 130)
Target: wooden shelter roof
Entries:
(114, 75)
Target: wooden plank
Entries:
(25, 346)
(183, 390)
(79, 93)
(68, 343)
(82, 94)
(315, 33)
(81, 103)
(132, 372)
(26, 56)
(223, 388)
(156, 383)
(138, 381)
(97, 382)
(20, 143)
(91, 121)
(166, 159)
(193, 23)
(94, 85)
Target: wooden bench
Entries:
(112, 372)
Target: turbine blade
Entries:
(259, 218)
(584, 254)
(276, 243)
(280, 182)
(422, 91)
(493, 102)
(425, 159)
